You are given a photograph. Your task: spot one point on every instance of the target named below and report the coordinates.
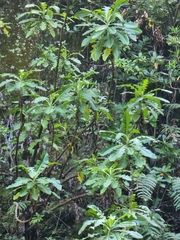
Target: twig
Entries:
(16, 214)
(74, 198)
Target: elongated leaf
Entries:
(86, 41)
(133, 234)
(43, 180)
(126, 224)
(43, 165)
(55, 182)
(109, 150)
(123, 38)
(32, 172)
(107, 183)
(109, 42)
(43, 26)
(125, 177)
(31, 31)
(31, 5)
(30, 184)
(83, 13)
(101, 28)
(147, 153)
(119, 3)
(117, 154)
(44, 189)
(126, 122)
(23, 192)
(106, 54)
(20, 181)
(85, 225)
(35, 193)
(131, 25)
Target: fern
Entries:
(171, 236)
(176, 192)
(172, 106)
(146, 185)
(21, 207)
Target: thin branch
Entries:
(60, 46)
(16, 214)
(74, 198)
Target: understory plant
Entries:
(71, 141)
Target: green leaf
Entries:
(106, 112)
(44, 189)
(51, 30)
(117, 154)
(96, 51)
(83, 13)
(31, 5)
(15, 197)
(130, 25)
(31, 31)
(107, 183)
(106, 53)
(32, 172)
(44, 164)
(34, 193)
(43, 26)
(20, 181)
(30, 184)
(100, 28)
(44, 123)
(23, 192)
(133, 234)
(126, 122)
(126, 224)
(147, 153)
(55, 195)
(109, 43)
(109, 150)
(119, 3)
(139, 160)
(125, 177)
(85, 225)
(56, 183)
(123, 38)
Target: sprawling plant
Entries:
(106, 28)
(64, 144)
(41, 19)
(34, 184)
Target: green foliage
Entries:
(33, 184)
(111, 227)
(102, 177)
(93, 136)
(106, 28)
(144, 106)
(176, 192)
(40, 18)
(21, 82)
(145, 186)
(4, 26)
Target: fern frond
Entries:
(145, 85)
(171, 236)
(146, 186)
(176, 192)
(172, 106)
(21, 206)
(170, 129)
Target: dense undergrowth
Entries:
(89, 128)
